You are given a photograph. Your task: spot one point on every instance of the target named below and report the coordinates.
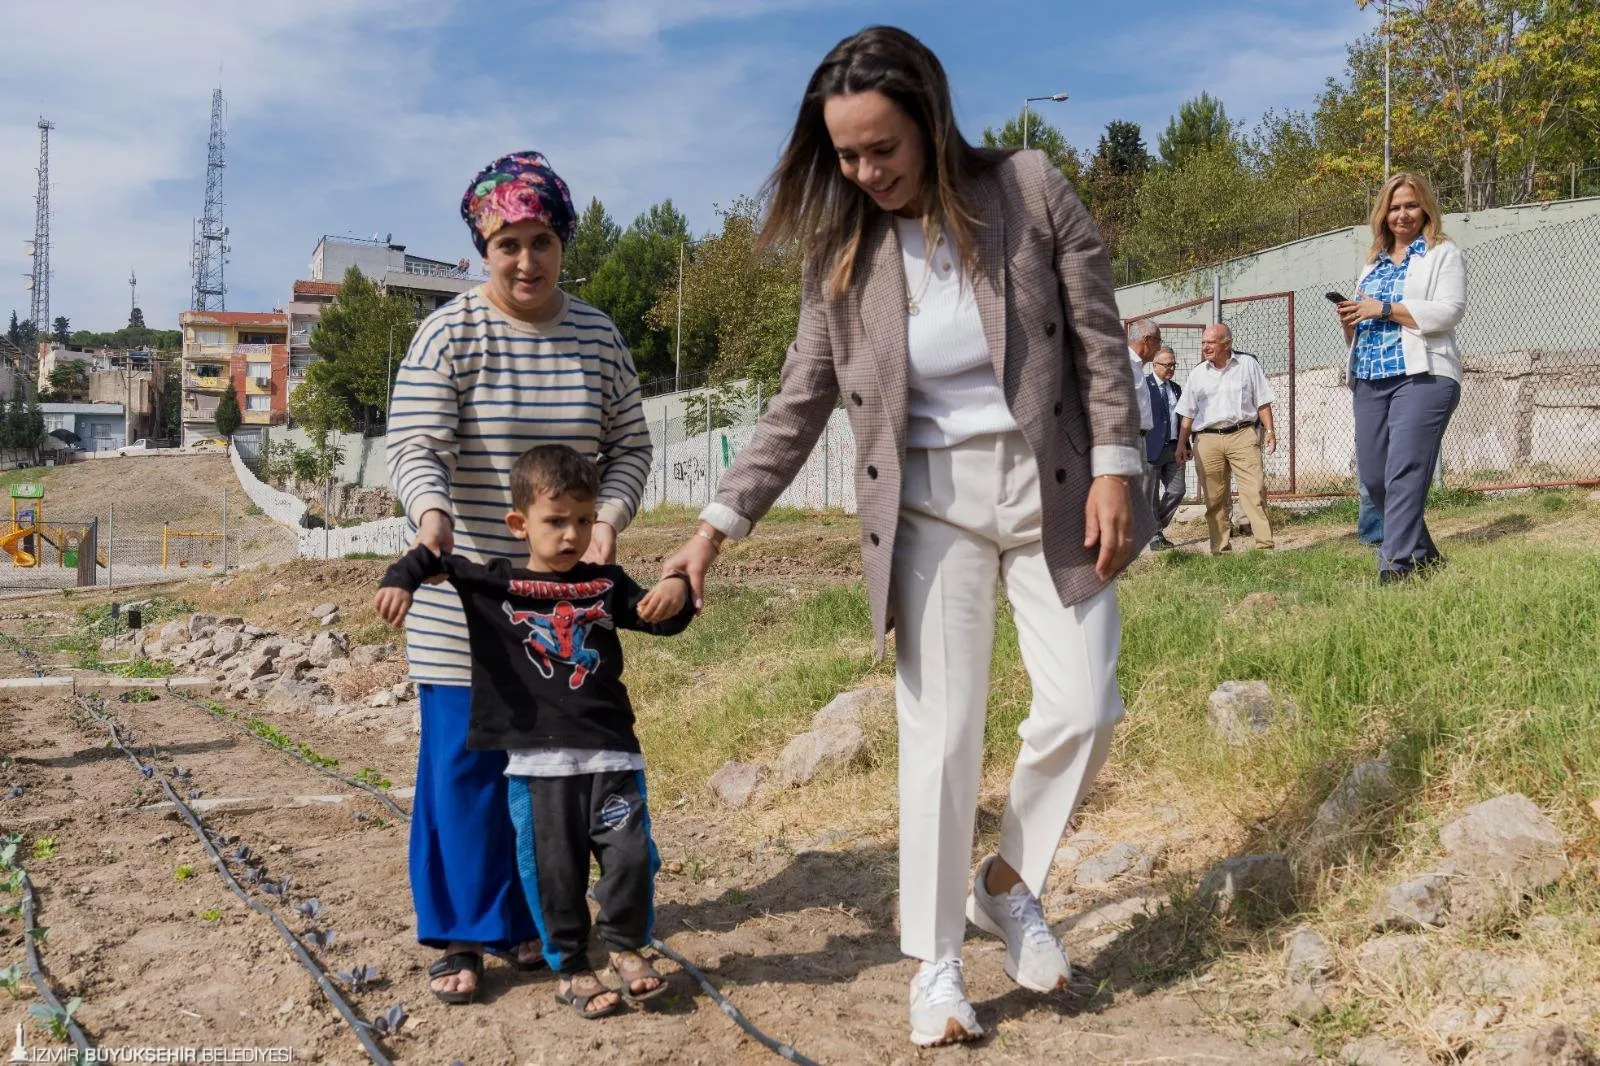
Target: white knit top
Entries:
(952, 392)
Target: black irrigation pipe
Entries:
(36, 972)
(786, 1051)
(379, 794)
(362, 1030)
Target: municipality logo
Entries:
(19, 1050)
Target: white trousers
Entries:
(969, 516)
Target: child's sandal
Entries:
(579, 1001)
(631, 967)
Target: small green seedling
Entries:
(44, 848)
(369, 776)
(183, 872)
(11, 978)
(39, 932)
(54, 1019)
(212, 914)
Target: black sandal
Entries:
(638, 970)
(579, 1002)
(448, 966)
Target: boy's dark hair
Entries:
(554, 470)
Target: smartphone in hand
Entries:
(1334, 298)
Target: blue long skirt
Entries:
(463, 859)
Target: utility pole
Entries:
(677, 355)
(1386, 90)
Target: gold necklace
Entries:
(914, 302)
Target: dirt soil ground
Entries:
(800, 937)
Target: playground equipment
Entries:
(203, 538)
(27, 524)
(27, 512)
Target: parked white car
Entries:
(138, 447)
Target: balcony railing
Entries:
(259, 418)
(227, 351)
(206, 382)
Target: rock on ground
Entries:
(1238, 711)
(809, 753)
(1252, 883)
(322, 610)
(1368, 785)
(1421, 902)
(1375, 1051)
(1117, 861)
(1392, 960)
(844, 709)
(1308, 958)
(735, 782)
(326, 647)
(1501, 850)
(1554, 1045)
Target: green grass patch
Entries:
(748, 674)
(681, 515)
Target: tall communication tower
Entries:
(39, 248)
(210, 241)
(133, 294)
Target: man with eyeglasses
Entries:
(1227, 410)
(1167, 481)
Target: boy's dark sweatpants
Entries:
(562, 821)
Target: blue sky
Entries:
(369, 116)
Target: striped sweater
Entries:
(478, 388)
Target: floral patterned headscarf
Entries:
(517, 188)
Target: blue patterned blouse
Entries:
(1378, 353)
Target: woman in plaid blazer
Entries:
(959, 302)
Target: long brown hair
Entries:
(1432, 224)
(814, 203)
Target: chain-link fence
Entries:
(1530, 346)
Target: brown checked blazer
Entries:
(1044, 293)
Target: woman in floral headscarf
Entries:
(513, 363)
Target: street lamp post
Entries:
(1057, 97)
(1386, 93)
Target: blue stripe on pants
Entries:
(520, 807)
(463, 847)
(655, 856)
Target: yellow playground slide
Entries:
(11, 544)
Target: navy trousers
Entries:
(1400, 424)
(463, 858)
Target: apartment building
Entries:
(432, 282)
(248, 348)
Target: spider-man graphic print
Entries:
(560, 635)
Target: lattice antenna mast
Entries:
(39, 280)
(133, 294)
(210, 242)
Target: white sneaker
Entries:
(940, 1013)
(1035, 959)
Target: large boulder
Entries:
(227, 643)
(1501, 850)
(810, 753)
(201, 625)
(327, 646)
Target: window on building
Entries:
(258, 402)
(258, 370)
(210, 336)
(260, 338)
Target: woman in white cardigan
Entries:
(1404, 365)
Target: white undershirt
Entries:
(952, 391)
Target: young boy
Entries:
(547, 688)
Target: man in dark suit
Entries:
(1167, 479)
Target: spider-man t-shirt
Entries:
(546, 661)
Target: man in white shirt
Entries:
(1226, 404)
(1144, 338)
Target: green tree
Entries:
(741, 307)
(1192, 215)
(1043, 136)
(35, 422)
(318, 404)
(70, 381)
(629, 283)
(61, 332)
(14, 331)
(1111, 182)
(1199, 125)
(353, 336)
(591, 245)
(136, 319)
(228, 416)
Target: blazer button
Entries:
(1049, 329)
(855, 398)
(872, 472)
(874, 538)
(1058, 408)
(1061, 475)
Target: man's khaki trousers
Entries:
(1239, 453)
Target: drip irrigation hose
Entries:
(362, 1030)
(36, 973)
(786, 1051)
(379, 794)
